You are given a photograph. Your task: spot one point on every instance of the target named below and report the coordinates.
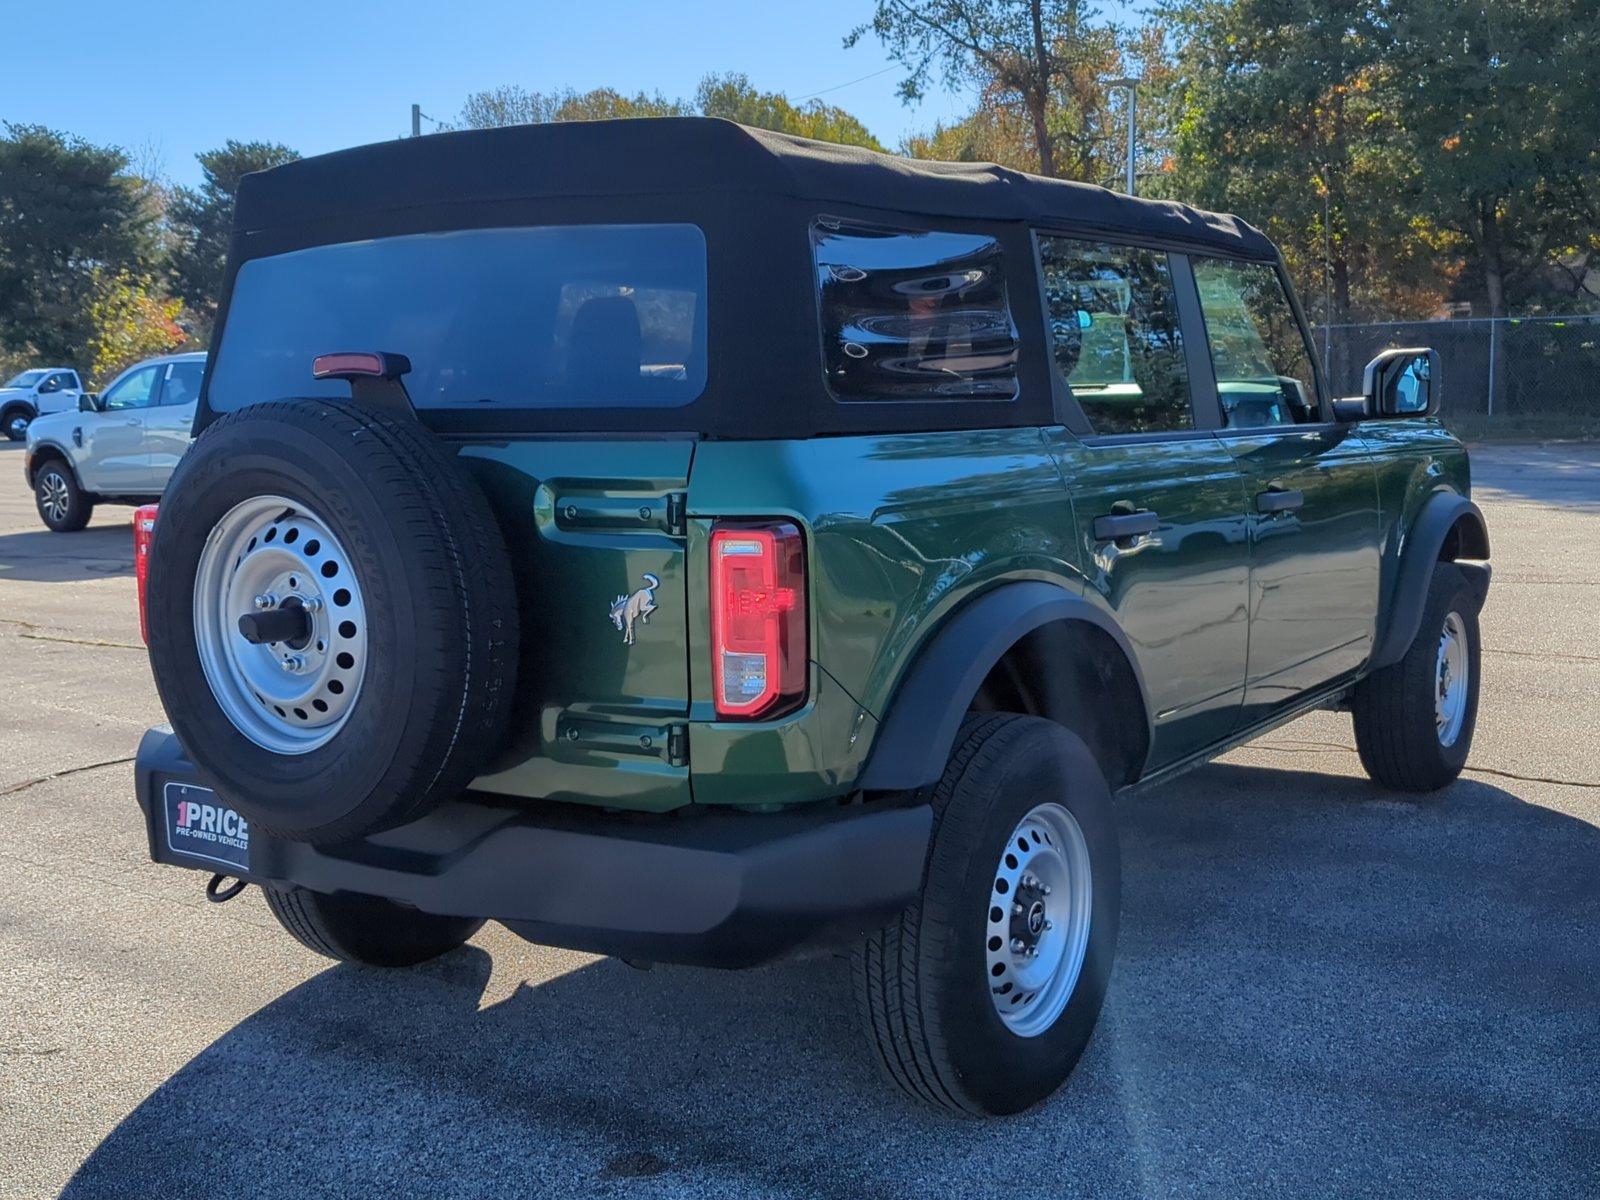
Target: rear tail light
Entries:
(758, 618)
(144, 527)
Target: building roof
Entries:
(699, 155)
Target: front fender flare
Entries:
(1419, 554)
(935, 692)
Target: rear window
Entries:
(547, 317)
(913, 314)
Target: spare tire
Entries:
(374, 670)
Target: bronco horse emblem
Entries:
(625, 610)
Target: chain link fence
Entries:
(1509, 375)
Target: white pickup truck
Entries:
(35, 392)
(118, 447)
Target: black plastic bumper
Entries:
(723, 889)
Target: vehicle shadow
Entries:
(39, 556)
(1323, 989)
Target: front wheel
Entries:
(366, 929)
(63, 506)
(1414, 720)
(982, 996)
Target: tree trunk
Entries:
(1493, 258)
(1041, 133)
(1039, 94)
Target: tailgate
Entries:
(596, 535)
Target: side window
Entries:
(1263, 365)
(131, 391)
(183, 383)
(913, 314)
(1115, 335)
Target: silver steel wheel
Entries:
(271, 553)
(1451, 679)
(17, 428)
(54, 498)
(1040, 909)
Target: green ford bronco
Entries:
(694, 544)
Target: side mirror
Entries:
(1402, 383)
(88, 402)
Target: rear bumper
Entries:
(724, 889)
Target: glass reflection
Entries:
(913, 315)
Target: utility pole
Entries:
(1132, 86)
(416, 120)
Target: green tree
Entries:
(67, 209)
(1288, 114)
(729, 96)
(733, 98)
(1086, 117)
(202, 219)
(1047, 58)
(1503, 120)
(515, 105)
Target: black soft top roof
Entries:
(689, 155)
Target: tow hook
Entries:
(218, 894)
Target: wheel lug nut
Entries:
(265, 601)
(1049, 925)
(1045, 890)
(1016, 946)
(1016, 910)
(312, 603)
(292, 663)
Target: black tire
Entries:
(10, 426)
(366, 929)
(1397, 733)
(79, 504)
(923, 987)
(440, 605)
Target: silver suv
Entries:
(119, 447)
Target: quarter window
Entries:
(1259, 351)
(183, 383)
(913, 314)
(1115, 335)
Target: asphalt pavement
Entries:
(1323, 989)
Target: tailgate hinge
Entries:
(677, 513)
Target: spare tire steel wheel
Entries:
(333, 623)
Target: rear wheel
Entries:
(15, 422)
(982, 996)
(63, 506)
(366, 929)
(1414, 720)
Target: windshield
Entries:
(27, 379)
(554, 316)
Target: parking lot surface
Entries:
(1322, 988)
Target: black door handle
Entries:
(1120, 527)
(1279, 499)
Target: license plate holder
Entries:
(197, 824)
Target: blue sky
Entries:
(320, 76)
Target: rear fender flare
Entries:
(1419, 555)
(936, 691)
